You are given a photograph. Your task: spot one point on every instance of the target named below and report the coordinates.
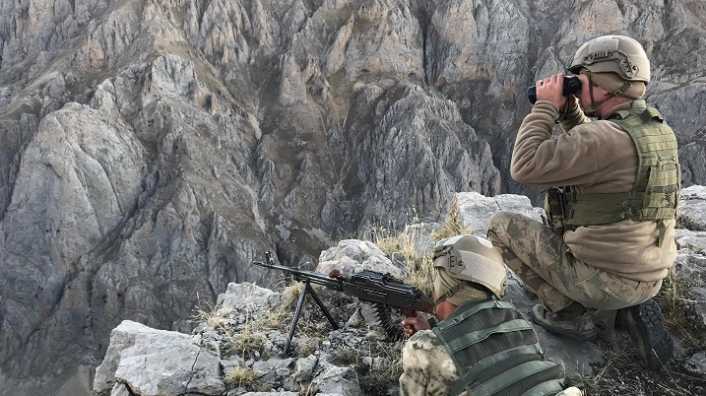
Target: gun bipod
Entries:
(298, 310)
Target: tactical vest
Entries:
(654, 196)
(496, 352)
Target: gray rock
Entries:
(697, 305)
(351, 256)
(693, 162)
(157, 362)
(337, 380)
(356, 320)
(232, 362)
(476, 209)
(247, 297)
(304, 368)
(690, 275)
(692, 208)
(693, 240)
(120, 390)
(696, 364)
(273, 372)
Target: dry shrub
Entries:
(394, 245)
(420, 274)
(247, 342)
(213, 317)
(240, 376)
(400, 247)
(453, 225)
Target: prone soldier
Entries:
(481, 346)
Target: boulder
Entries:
(304, 368)
(247, 297)
(274, 372)
(337, 380)
(692, 208)
(120, 390)
(157, 362)
(696, 364)
(477, 209)
(690, 276)
(351, 256)
(692, 240)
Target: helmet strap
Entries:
(621, 91)
(595, 105)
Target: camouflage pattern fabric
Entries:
(427, 366)
(544, 263)
(429, 371)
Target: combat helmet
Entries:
(617, 54)
(472, 259)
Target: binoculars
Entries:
(572, 86)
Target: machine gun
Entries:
(382, 290)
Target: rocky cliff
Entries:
(149, 148)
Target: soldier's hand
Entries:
(413, 324)
(552, 89)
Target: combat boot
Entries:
(574, 322)
(645, 324)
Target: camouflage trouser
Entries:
(544, 263)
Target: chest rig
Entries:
(496, 352)
(654, 196)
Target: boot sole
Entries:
(645, 324)
(540, 321)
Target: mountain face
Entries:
(149, 149)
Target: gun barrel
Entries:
(306, 276)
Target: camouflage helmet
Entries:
(472, 259)
(617, 54)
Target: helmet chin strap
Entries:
(593, 108)
(596, 105)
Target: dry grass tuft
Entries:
(249, 341)
(246, 343)
(240, 376)
(213, 317)
(420, 274)
(290, 295)
(453, 225)
(395, 245)
(400, 247)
